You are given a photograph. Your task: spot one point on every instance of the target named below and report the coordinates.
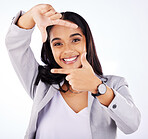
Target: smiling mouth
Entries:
(70, 60)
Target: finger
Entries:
(50, 13)
(61, 71)
(69, 24)
(45, 8)
(55, 16)
(68, 78)
(84, 61)
(70, 83)
(64, 23)
(43, 33)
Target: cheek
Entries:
(55, 55)
(82, 48)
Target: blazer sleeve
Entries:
(122, 108)
(22, 58)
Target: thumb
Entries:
(84, 61)
(43, 33)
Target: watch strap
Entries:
(98, 93)
(95, 95)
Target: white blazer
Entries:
(121, 112)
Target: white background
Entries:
(120, 30)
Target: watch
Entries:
(101, 89)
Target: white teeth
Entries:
(70, 59)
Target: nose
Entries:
(68, 49)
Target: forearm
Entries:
(21, 55)
(122, 108)
(106, 98)
(26, 21)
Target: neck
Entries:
(72, 91)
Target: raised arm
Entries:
(18, 41)
(43, 15)
(21, 56)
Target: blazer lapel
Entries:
(50, 93)
(90, 101)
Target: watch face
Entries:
(102, 88)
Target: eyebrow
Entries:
(75, 34)
(55, 39)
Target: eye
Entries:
(57, 44)
(75, 40)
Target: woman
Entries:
(71, 96)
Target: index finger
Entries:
(64, 23)
(61, 71)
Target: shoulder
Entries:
(115, 81)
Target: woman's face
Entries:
(67, 46)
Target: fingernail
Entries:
(66, 78)
(74, 26)
(52, 70)
(85, 53)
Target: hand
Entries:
(45, 15)
(81, 79)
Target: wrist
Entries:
(26, 21)
(107, 98)
(96, 83)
